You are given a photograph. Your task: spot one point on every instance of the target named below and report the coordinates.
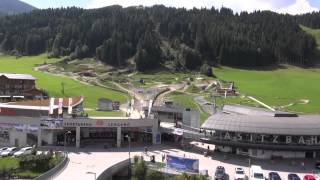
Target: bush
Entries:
(206, 70)
(154, 175)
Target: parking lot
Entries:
(81, 162)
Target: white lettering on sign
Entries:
(275, 139)
(301, 140)
(239, 137)
(262, 138)
(288, 139)
(227, 136)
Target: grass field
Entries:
(52, 83)
(278, 87)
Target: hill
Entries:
(152, 37)
(52, 83)
(14, 7)
(286, 88)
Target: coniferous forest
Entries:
(158, 35)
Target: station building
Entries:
(60, 121)
(260, 133)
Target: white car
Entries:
(9, 151)
(3, 149)
(239, 174)
(23, 151)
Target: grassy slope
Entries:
(53, 83)
(278, 87)
(314, 32)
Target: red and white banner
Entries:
(70, 106)
(60, 106)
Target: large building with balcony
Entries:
(260, 133)
(18, 86)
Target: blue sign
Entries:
(183, 164)
(158, 138)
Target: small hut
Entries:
(105, 104)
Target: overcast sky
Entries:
(281, 6)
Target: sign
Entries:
(183, 164)
(70, 106)
(60, 102)
(269, 139)
(7, 111)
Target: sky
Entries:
(280, 6)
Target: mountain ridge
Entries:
(14, 7)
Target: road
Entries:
(97, 161)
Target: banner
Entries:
(60, 106)
(51, 104)
(183, 164)
(70, 106)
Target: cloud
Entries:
(287, 6)
(299, 7)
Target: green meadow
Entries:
(52, 83)
(292, 88)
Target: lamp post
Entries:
(65, 139)
(129, 140)
(93, 174)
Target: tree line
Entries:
(158, 35)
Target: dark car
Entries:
(220, 173)
(274, 176)
(293, 177)
(317, 165)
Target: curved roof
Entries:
(46, 102)
(302, 125)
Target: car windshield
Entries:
(258, 175)
(219, 171)
(239, 172)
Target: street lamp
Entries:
(93, 174)
(129, 140)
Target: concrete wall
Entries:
(17, 138)
(268, 154)
(47, 136)
(191, 118)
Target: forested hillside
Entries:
(186, 39)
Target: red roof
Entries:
(46, 102)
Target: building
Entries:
(105, 104)
(176, 114)
(18, 86)
(52, 122)
(260, 133)
(226, 89)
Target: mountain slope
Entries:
(14, 7)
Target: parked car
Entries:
(274, 176)
(309, 177)
(23, 151)
(293, 177)
(3, 149)
(239, 174)
(256, 173)
(9, 151)
(220, 173)
(317, 165)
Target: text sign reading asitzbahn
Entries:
(271, 139)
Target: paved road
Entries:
(204, 104)
(82, 162)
